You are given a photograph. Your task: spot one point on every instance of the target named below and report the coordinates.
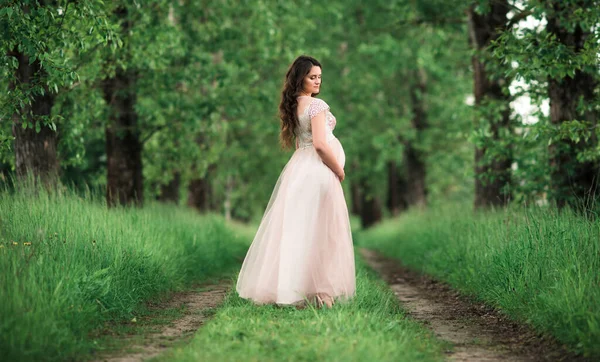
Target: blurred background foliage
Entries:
(489, 101)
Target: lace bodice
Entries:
(304, 133)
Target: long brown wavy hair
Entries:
(292, 88)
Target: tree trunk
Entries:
(412, 187)
(199, 195)
(35, 152)
(397, 200)
(491, 176)
(123, 144)
(393, 202)
(169, 193)
(356, 198)
(370, 211)
(572, 182)
(415, 192)
(227, 204)
(407, 186)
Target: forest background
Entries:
(485, 102)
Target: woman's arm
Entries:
(319, 138)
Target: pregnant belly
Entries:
(338, 151)
(307, 158)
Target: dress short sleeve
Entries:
(317, 106)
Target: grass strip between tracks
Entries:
(371, 326)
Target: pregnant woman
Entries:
(303, 251)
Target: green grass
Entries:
(537, 265)
(68, 265)
(369, 327)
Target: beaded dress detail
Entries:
(303, 245)
(304, 135)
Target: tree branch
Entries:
(62, 19)
(152, 132)
(86, 57)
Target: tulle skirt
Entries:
(303, 245)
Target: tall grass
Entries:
(67, 265)
(538, 265)
(371, 327)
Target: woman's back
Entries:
(309, 107)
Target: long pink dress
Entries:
(303, 245)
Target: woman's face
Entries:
(312, 82)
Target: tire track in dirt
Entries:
(198, 307)
(478, 332)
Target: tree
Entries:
(557, 154)
(370, 206)
(123, 143)
(492, 163)
(573, 180)
(423, 85)
(40, 44)
(169, 192)
(35, 137)
(414, 159)
(137, 89)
